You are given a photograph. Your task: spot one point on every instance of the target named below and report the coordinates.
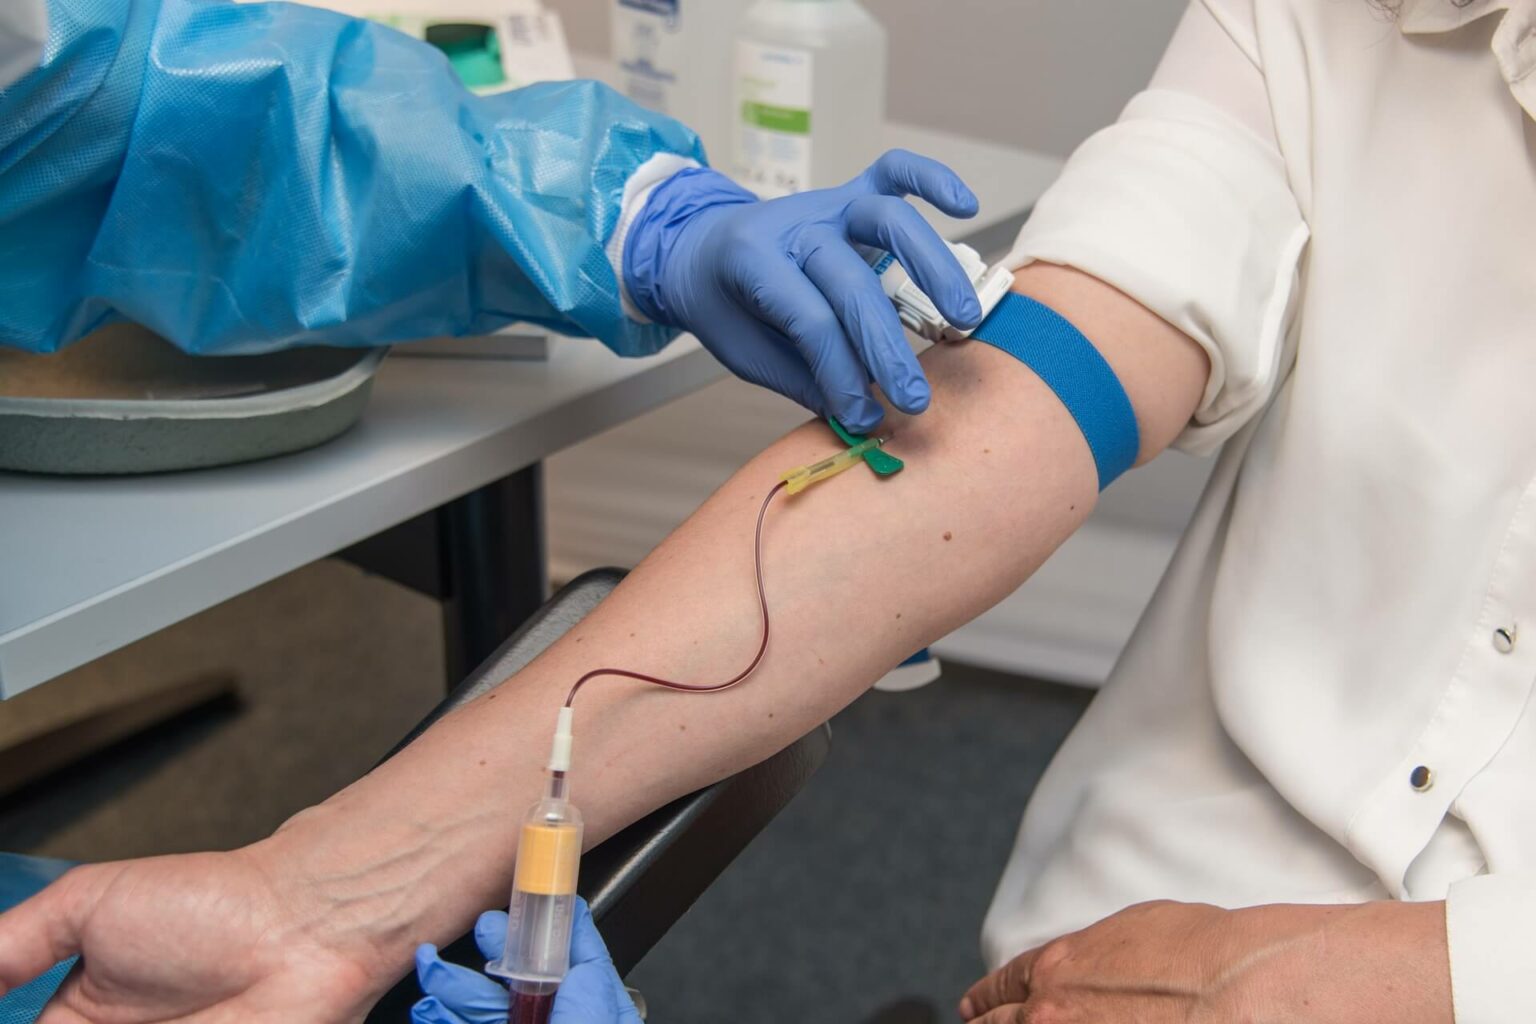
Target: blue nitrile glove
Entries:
(777, 291)
(591, 993)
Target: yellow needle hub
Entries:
(804, 476)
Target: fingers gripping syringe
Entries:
(542, 909)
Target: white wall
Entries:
(1041, 74)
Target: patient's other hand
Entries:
(197, 939)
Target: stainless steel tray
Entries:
(125, 401)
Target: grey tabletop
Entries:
(88, 565)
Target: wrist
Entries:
(1383, 961)
(656, 236)
(302, 872)
(368, 893)
(637, 193)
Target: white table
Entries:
(91, 564)
(88, 565)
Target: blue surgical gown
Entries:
(248, 177)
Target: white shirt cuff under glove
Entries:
(637, 192)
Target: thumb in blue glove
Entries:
(591, 993)
(778, 291)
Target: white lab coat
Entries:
(23, 31)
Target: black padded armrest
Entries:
(640, 881)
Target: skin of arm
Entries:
(311, 924)
(860, 572)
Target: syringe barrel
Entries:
(543, 905)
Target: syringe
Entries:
(543, 905)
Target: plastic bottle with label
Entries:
(810, 94)
(676, 57)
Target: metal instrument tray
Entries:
(125, 401)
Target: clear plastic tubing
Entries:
(543, 906)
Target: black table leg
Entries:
(491, 553)
(481, 555)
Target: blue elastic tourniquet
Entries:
(1047, 343)
(20, 877)
(247, 177)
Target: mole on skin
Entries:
(948, 535)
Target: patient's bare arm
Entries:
(860, 573)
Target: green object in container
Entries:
(879, 460)
(473, 50)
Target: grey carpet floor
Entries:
(869, 888)
(333, 667)
(872, 884)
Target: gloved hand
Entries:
(777, 291)
(591, 993)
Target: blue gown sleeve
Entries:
(247, 177)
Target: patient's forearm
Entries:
(860, 572)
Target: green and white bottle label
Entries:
(773, 103)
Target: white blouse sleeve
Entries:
(1184, 205)
(1490, 924)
